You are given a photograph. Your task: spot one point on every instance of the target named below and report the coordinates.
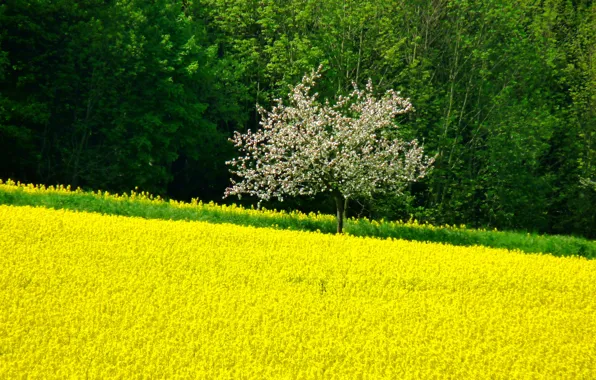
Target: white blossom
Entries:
(306, 147)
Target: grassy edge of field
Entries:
(146, 206)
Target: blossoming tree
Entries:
(346, 149)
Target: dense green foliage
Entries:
(146, 206)
(118, 94)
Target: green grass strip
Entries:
(146, 206)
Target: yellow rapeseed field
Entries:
(91, 296)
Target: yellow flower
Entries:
(88, 295)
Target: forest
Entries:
(124, 94)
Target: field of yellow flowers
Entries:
(86, 295)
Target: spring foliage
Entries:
(86, 295)
(118, 94)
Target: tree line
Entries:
(118, 94)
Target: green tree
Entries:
(105, 94)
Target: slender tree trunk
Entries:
(339, 202)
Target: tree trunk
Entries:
(339, 202)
